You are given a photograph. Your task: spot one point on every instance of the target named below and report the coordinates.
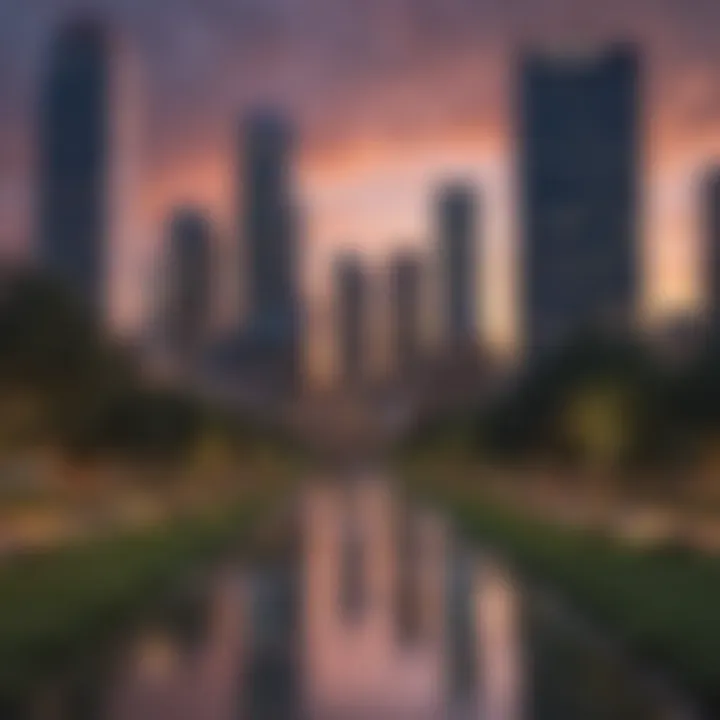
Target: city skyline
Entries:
(384, 162)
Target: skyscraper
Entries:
(271, 252)
(188, 286)
(74, 162)
(269, 227)
(711, 226)
(458, 259)
(406, 271)
(351, 297)
(580, 168)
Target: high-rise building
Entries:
(711, 217)
(187, 301)
(406, 279)
(351, 302)
(458, 258)
(74, 162)
(271, 248)
(270, 227)
(579, 169)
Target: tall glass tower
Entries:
(579, 169)
(74, 178)
(458, 258)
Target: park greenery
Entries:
(70, 391)
(65, 384)
(60, 607)
(605, 415)
(605, 407)
(659, 602)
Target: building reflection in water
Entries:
(366, 666)
(378, 614)
(163, 679)
(401, 653)
(498, 642)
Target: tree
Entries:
(54, 360)
(600, 423)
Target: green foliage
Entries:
(443, 437)
(57, 370)
(600, 422)
(605, 404)
(65, 383)
(55, 608)
(599, 403)
(663, 601)
(594, 402)
(694, 395)
(150, 425)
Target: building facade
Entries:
(711, 227)
(406, 281)
(189, 279)
(271, 253)
(351, 304)
(74, 163)
(580, 170)
(458, 263)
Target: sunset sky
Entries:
(388, 97)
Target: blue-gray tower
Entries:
(351, 302)
(458, 263)
(270, 227)
(271, 245)
(189, 277)
(580, 166)
(406, 283)
(74, 159)
(711, 226)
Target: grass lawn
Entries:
(57, 606)
(664, 601)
